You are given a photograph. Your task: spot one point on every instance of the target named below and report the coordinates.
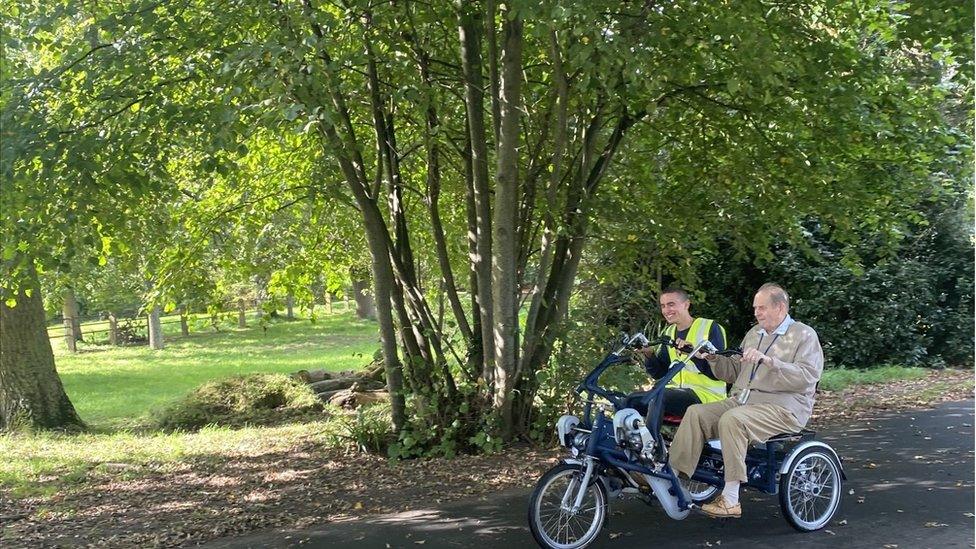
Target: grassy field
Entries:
(116, 388)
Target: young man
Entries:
(687, 387)
(774, 384)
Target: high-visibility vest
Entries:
(707, 389)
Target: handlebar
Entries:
(636, 341)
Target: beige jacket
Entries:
(790, 381)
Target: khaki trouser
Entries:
(735, 425)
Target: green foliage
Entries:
(870, 304)
(256, 399)
(471, 428)
(368, 429)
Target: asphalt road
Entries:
(912, 476)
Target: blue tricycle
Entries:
(616, 451)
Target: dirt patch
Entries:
(309, 484)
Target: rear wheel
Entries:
(551, 520)
(810, 490)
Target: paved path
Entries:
(912, 474)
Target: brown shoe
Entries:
(720, 509)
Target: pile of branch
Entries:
(348, 389)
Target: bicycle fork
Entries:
(584, 484)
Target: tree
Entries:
(790, 104)
(31, 394)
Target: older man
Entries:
(774, 384)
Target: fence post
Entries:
(113, 329)
(69, 334)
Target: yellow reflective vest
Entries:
(707, 389)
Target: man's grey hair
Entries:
(776, 294)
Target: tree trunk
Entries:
(260, 296)
(352, 166)
(241, 314)
(365, 305)
(328, 301)
(72, 315)
(69, 335)
(290, 307)
(474, 100)
(113, 329)
(184, 322)
(31, 393)
(549, 221)
(155, 329)
(476, 350)
(448, 285)
(504, 276)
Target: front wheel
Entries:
(699, 492)
(810, 490)
(551, 520)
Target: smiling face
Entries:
(769, 314)
(674, 308)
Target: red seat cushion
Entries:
(668, 418)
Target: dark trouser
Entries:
(676, 401)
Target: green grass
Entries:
(114, 388)
(836, 379)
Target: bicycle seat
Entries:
(799, 436)
(671, 419)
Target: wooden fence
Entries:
(128, 329)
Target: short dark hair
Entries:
(776, 293)
(677, 290)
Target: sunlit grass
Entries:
(836, 379)
(117, 387)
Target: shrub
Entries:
(254, 399)
(369, 429)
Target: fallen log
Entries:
(354, 399)
(315, 376)
(332, 384)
